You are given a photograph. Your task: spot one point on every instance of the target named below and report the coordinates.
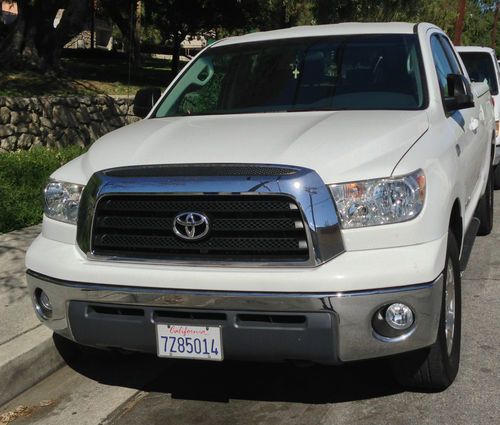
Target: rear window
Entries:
(481, 68)
(320, 73)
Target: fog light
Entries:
(45, 301)
(399, 316)
(43, 304)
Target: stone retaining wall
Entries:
(60, 121)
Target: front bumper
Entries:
(318, 327)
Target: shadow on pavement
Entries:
(208, 381)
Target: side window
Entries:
(450, 54)
(443, 67)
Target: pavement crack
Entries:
(481, 279)
(126, 407)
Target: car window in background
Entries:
(480, 68)
(319, 73)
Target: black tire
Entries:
(496, 177)
(434, 368)
(484, 211)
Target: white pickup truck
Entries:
(481, 64)
(308, 194)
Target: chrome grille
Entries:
(243, 228)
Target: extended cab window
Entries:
(442, 64)
(321, 73)
(481, 68)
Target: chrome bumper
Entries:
(351, 313)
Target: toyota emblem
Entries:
(191, 226)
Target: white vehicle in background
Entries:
(482, 66)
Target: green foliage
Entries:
(273, 14)
(151, 36)
(204, 99)
(23, 176)
(478, 22)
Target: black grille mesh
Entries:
(242, 228)
(193, 170)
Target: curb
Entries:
(26, 360)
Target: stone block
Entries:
(25, 141)
(35, 118)
(7, 130)
(34, 129)
(4, 115)
(82, 115)
(62, 115)
(45, 122)
(9, 143)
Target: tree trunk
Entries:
(92, 24)
(33, 42)
(176, 53)
(119, 15)
(17, 50)
(125, 16)
(459, 26)
(137, 34)
(494, 30)
(73, 21)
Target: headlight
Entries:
(380, 201)
(62, 201)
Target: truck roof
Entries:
(324, 30)
(475, 49)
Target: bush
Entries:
(23, 176)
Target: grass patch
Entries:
(27, 84)
(111, 74)
(88, 76)
(23, 175)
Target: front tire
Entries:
(496, 177)
(435, 368)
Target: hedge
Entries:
(23, 175)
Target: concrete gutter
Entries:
(27, 350)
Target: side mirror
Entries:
(459, 93)
(145, 99)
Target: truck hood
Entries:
(339, 145)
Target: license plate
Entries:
(189, 342)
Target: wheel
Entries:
(496, 177)
(434, 368)
(485, 208)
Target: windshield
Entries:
(321, 73)
(480, 68)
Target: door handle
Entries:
(474, 124)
